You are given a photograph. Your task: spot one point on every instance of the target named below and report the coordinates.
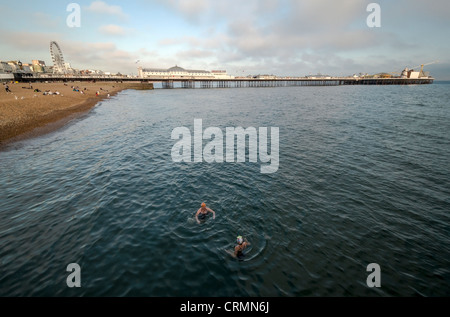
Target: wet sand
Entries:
(25, 113)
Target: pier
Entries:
(260, 83)
(199, 83)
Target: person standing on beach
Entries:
(7, 88)
(202, 212)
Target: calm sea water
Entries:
(364, 177)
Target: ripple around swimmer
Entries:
(254, 253)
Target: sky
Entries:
(280, 37)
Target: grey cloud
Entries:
(29, 41)
(194, 54)
(100, 55)
(281, 31)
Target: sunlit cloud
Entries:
(112, 29)
(101, 7)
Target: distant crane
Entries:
(422, 65)
(421, 74)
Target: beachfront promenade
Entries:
(188, 82)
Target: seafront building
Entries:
(5, 68)
(38, 66)
(6, 71)
(179, 72)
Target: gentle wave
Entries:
(363, 178)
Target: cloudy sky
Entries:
(282, 37)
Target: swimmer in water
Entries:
(203, 211)
(242, 244)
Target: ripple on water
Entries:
(362, 179)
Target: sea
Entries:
(361, 195)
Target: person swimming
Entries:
(203, 212)
(242, 244)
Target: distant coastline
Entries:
(442, 82)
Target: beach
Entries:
(26, 113)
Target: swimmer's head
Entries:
(240, 240)
(203, 205)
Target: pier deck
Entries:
(184, 82)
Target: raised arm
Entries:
(214, 214)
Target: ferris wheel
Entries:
(58, 59)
